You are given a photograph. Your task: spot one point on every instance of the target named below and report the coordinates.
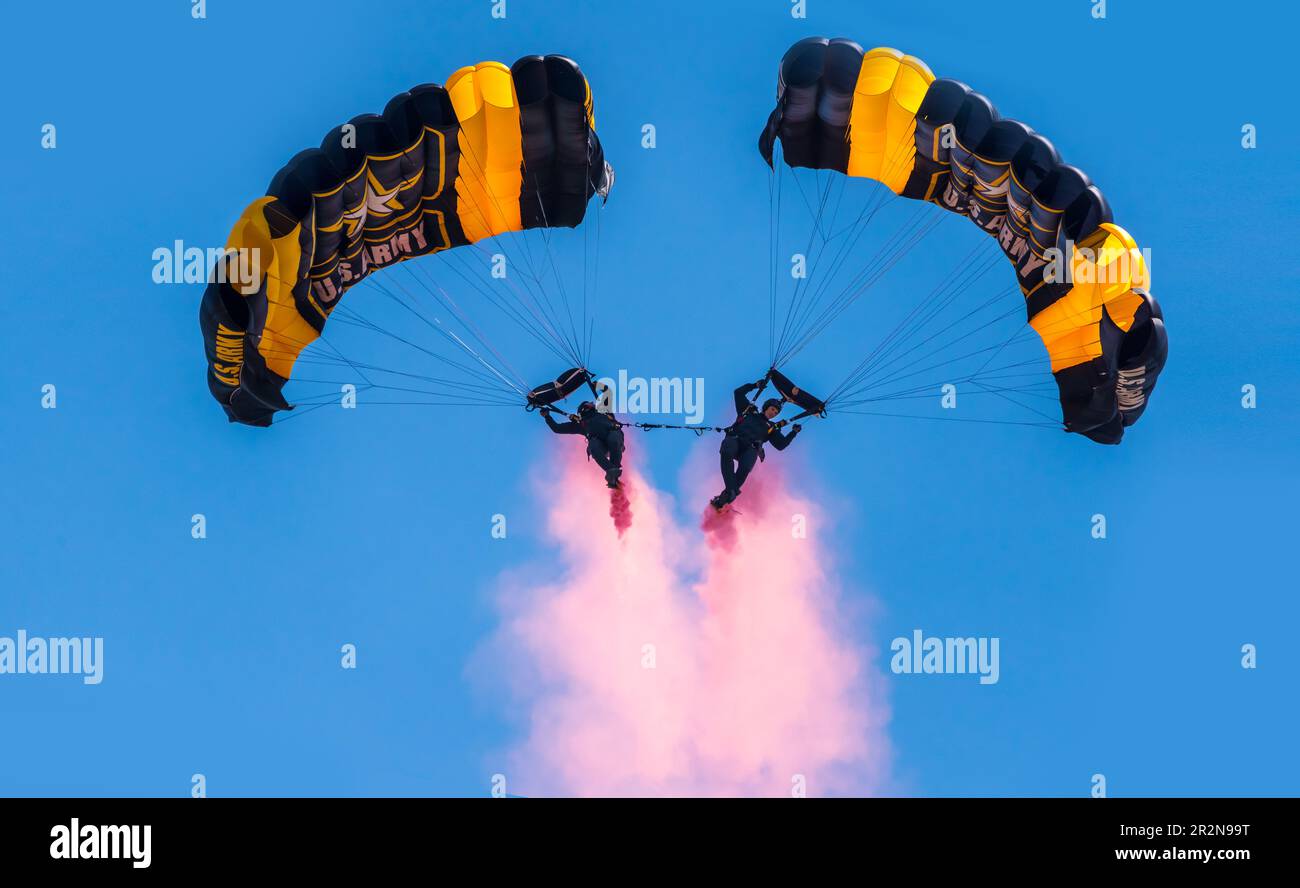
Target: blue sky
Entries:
(1119, 656)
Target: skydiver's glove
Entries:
(795, 429)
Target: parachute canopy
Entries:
(497, 149)
(883, 115)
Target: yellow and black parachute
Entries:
(882, 115)
(496, 149)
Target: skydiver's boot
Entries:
(612, 476)
(720, 501)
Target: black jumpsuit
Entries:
(744, 442)
(604, 439)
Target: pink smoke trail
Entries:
(666, 661)
(620, 507)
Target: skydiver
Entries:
(743, 443)
(604, 438)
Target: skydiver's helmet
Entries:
(586, 407)
(770, 403)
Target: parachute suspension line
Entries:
(808, 330)
(771, 262)
(348, 361)
(816, 215)
(582, 333)
(441, 398)
(774, 270)
(1004, 378)
(938, 302)
(776, 344)
(1052, 426)
(1056, 422)
(1008, 341)
(864, 382)
(536, 303)
(926, 393)
(519, 311)
(313, 402)
(816, 229)
(570, 343)
(888, 359)
(595, 279)
(877, 199)
(472, 277)
(886, 258)
(888, 255)
(1035, 386)
(775, 203)
(945, 292)
(1039, 388)
(899, 245)
(338, 358)
(892, 360)
(590, 267)
(584, 349)
(478, 391)
(585, 333)
(308, 403)
(436, 326)
(523, 392)
(484, 386)
(911, 372)
(795, 312)
(447, 302)
(492, 381)
(901, 375)
(574, 340)
(487, 381)
(334, 400)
